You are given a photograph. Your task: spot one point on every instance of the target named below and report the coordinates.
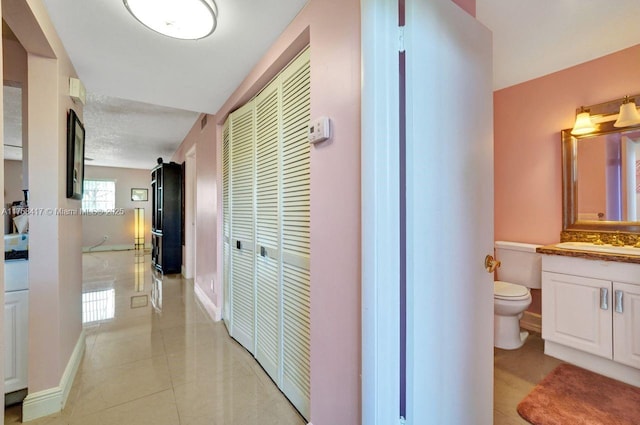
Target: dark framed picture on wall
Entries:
(75, 156)
(139, 194)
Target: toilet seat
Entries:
(509, 291)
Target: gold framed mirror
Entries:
(601, 175)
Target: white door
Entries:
(226, 226)
(626, 324)
(296, 238)
(267, 251)
(243, 227)
(449, 216)
(440, 236)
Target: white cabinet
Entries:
(578, 312)
(591, 314)
(626, 324)
(16, 316)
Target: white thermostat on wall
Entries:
(319, 130)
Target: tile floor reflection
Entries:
(153, 356)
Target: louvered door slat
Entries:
(295, 233)
(226, 224)
(267, 232)
(242, 226)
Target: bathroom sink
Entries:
(609, 249)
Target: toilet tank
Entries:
(521, 264)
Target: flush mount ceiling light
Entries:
(583, 124)
(628, 114)
(183, 19)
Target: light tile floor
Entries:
(162, 364)
(516, 372)
(170, 364)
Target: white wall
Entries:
(118, 228)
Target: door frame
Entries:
(380, 214)
(190, 217)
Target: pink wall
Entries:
(527, 124)
(207, 205)
(468, 5)
(55, 265)
(335, 197)
(119, 228)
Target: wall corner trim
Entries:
(212, 310)
(53, 400)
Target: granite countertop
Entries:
(591, 255)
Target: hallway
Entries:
(153, 356)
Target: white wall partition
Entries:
(266, 247)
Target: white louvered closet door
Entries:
(272, 205)
(268, 231)
(295, 183)
(226, 225)
(242, 133)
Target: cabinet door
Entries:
(626, 324)
(577, 312)
(16, 316)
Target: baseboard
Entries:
(53, 400)
(212, 310)
(531, 322)
(125, 247)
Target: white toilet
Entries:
(520, 270)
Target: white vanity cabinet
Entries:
(626, 323)
(16, 324)
(577, 312)
(16, 319)
(591, 314)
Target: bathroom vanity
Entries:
(591, 310)
(591, 280)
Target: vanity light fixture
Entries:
(628, 114)
(583, 124)
(182, 19)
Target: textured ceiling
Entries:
(129, 134)
(128, 68)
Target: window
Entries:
(99, 195)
